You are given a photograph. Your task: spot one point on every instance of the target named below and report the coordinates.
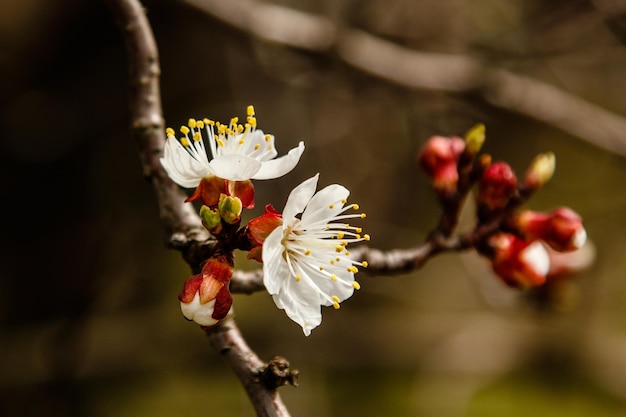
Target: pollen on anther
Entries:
(298, 278)
(268, 138)
(184, 130)
(340, 235)
(241, 141)
(356, 285)
(307, 252)
(339, 248)
(256, 147)
(197, 136)
(366, 237)
(200, 124)
(332, 262)
(321, 268)
(363, 215)
(333, 277)
(344, 201)
(358, 230)
(192, 123)
(355, 206)
(352, 269)
(364, 264)
(184, 141)
(250, 110)
(335, 298)
(169, 131)
(331, 206)
(336, 305)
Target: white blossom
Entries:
(305, 261)
(239, 152)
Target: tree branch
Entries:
(422, 70)
(183, 225)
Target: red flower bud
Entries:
(496, 186)
(211, 187)
(562, 228)
(439, 159)
(518, 262)
(205, 298)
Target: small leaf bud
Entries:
(474, 139)
(540, 170)
(210, 217)
(230, 208)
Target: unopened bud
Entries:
(540, 170)
(562, 228)
(211, 218)
(474, 139)
(496, 186)
(439, 158)
(230, 208)
(517, 262)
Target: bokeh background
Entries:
(89, 320)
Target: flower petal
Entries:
(301, 303)
(299, 198)
(326, 203)
(234, 167)
(200, 313)
(275, 270)
(181, 167)
(278, 167)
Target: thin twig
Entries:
(185, 229)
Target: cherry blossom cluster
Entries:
(306, 263)
(519, 243)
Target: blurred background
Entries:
(89, 320)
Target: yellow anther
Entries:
(339, 248)
(307, 252)
(270, 148)
(357, 236)
(220, 143)
(241, 141)
(333, 277)
(352, 269)
(336, 306)
(331, 206)
(366, 237)
(356, 285)
(256, 147)
(192, 123)
(209, 122)
(239, 129)
(234, 121)
(298, 277)
(184, 130)
(221, 129)
(321, 268)
(250, 110)
(169, 131)
(347, 253)
(344, 201)
(332, 262)
(363, 215)
(200, 124)
(197, 136)
(358, 230)
(344, 243)
(184, 141)
(364, 264)
(335, 298)
(338, 259)
(268, 138)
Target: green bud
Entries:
(474, 139)
(541, 170)
(230, 208)
(210, 217)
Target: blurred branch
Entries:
(421, 70)
(180, 221)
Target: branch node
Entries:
(277, 373)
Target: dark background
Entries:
(89, 320)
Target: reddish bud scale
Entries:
(497, 186)
(439, 159)
(211, 187)
(258, 229)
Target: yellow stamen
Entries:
(209, 122)
(268, 138)
(220, 143)
(169, 131)
(184, 130)
(256, 147)
(321, 268)
(333, 277)
(332, 206)
(339, 248)
(366, 237)
(184, 141)
(355, 206)
(241, 141)
(192, 123)
(298, 278)
(352, 269)
(344, 201)
(356, 285)
(364, 264)
(363, 215)
(250, 110)
(336, 306)
(234, 121)
(197, 136)
(200, 124)
(358, 230)
(307, 252)
(340, 235)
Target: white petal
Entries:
(301, 303)
(181, 167)
(275, 270)
(579, 238)
(319, 206)
(537, 257)
(279, 167)
(258, 138)
(235, 167)
(299, 198)
(200, 313)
